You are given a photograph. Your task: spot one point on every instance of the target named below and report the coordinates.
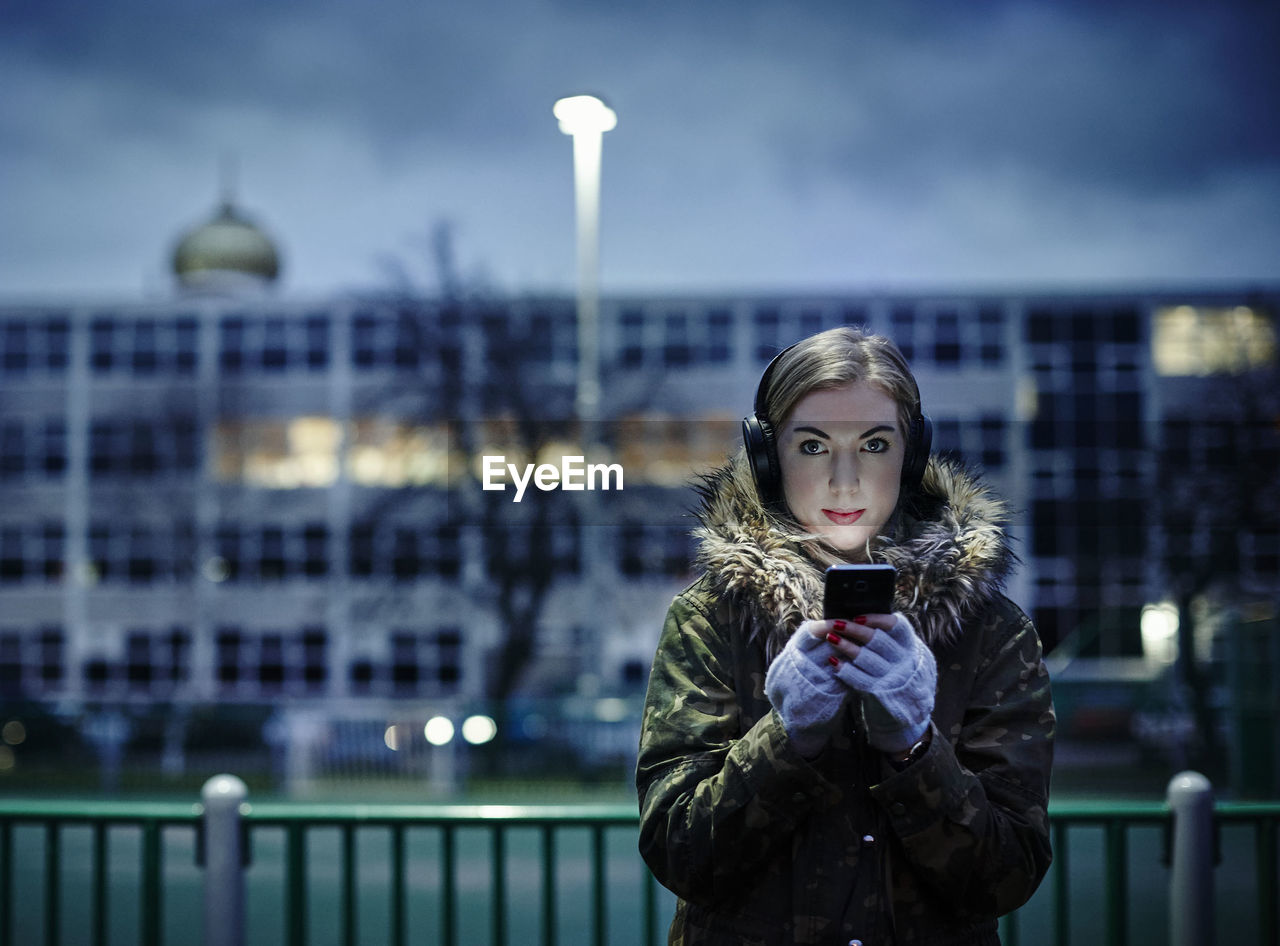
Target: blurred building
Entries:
(231, 496)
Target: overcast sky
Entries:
(761, 144)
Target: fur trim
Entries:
(950, 550)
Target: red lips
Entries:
(843, 518)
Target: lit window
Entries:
(388, 453)
(278, 454)
(668, 451)
(1193, 341)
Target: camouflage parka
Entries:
(765, 847)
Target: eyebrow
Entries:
(825, 436)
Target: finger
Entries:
(848, 629)
(818, 629)
(884, 622)
(855, 631)
(842, 650)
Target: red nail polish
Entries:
(833, 638)
(834, 661)
(860, 619)
(839, 624)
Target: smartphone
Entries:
(852, 590)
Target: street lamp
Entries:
(587, 118)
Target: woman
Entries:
(876, 778)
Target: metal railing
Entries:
(350, 873)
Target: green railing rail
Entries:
(422, 873)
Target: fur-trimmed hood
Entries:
(951, 554)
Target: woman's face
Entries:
(841, 454)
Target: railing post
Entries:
(1190, 798)
(223, 796)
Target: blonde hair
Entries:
(835, 358)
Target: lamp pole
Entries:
(587, 118)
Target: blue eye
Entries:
(811, 447)
(876, 445)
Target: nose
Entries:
(844, 472)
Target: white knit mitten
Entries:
(898, 678)
(805, 690)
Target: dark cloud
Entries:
(1138, 104)
(750, 131)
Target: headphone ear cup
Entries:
(762, 455)
(921, 443)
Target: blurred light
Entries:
(216, 569)
(1159, 628)
(1196, 341)
(439, 731)
(478, 730)
(579, 114)
(279, 454)
(6, 759)
(14, 733)
(396, 737)
(611, 710)
(392, 454)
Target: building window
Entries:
(1201, 340)
(417, 663)
(137, 448)
(676, 350)
(687, 338)
(157, 662)
(768, 334)
(633, 347)
(36, 345)
(364, 341)
(277, 343)
(295, 453)
(32, 554)
(271, 553)
(649, 550)
(15, 355)
(407, 339)
(13, 450)
(269, 663)
(719, 336)
(143, 346)
(992, 433)
(902, 322)
(231, 354)
(101, 345)
(317, 342)
(947, 441)
(1040, 327)
(141, 554)
(522, 548)
(946, 340)
(990, 335)
(404, 553)
(31, 451)
(31, 663)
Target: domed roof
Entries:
(229, 249)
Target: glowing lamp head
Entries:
(580, 114)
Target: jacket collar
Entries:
(951, 553)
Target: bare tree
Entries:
(499, 379)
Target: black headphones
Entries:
(762, 446)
